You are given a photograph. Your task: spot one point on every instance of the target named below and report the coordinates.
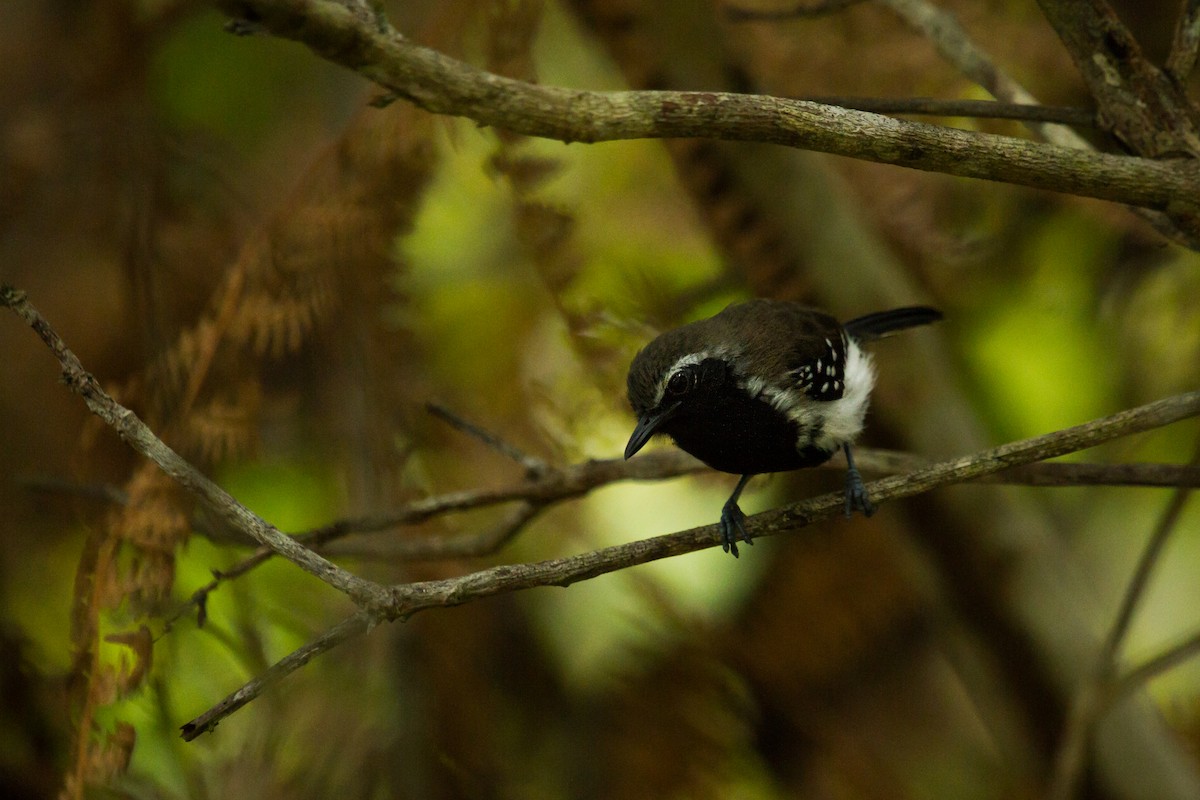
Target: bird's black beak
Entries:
(648, 425)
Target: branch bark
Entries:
(138, 436)
(408, 599)
(1139, 103)
(346, 34)
(411, 598)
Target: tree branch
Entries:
(346, 34)
(404, 600)
(954, 45)
(557, 485)
(1095, 695)
(1137, 102)
(350, 628)
(408, 599)
(533, 466)
(957, 48)
(142, 439)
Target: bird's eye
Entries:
(680, 383)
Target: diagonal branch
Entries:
(351, 627)
(956, 47)
(1186, 43)
(142, 439)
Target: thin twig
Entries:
(1045, 474)
(954, 45)
(1142, 674)
(532, 465)
(1089, 702)
(352, 627)
(816, 8)
(103, 492)
(433, 548)
(1136, 589)
(976, 109)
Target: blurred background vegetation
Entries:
(278, 276)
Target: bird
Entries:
(763, 386)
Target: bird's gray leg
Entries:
(733, 521)
(856, 492)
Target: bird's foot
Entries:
(856, 494)
(733, 525)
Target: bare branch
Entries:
(1138, 102)
(103, 492)
(142, 439)
(408, 599)
(533, 466)
(350, 628)
(957, 48)
(1090, 701)
(1142, 674)
(443, 85)
(533, 497)
(1049, 473)
(471, 545)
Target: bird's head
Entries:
(674, 378)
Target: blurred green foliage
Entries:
(1050, 326)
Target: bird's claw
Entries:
(733, 527)
(856, 495)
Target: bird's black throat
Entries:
(731, 431)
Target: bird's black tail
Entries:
(884, 323)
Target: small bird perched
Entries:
(763, 386)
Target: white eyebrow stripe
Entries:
(691, 359)
(683, 361)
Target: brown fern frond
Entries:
(225, 427)
(150, 528)
(545, 229)
(139, 646)
(329, 247)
